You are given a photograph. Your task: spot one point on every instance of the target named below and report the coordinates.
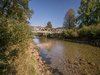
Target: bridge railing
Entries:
(46, 30)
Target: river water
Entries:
(68, 58)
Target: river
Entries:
(69, 58)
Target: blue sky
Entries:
(51, 10)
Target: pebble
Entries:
(43, 74)
(41, 66)
(91, 63)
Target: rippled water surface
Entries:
(70, 58)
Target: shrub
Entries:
(84, 32)
(65, 34)
(91, 32)
(95, 31)
(74, 34)
(13, 32)
(87, 32)
(70, 33)
(14, 40)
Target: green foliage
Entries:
(15, 9)
(90, 32)
(89, 12)
(13, 32)
(87, 32)
(15, 36)
(83, 32)
(69, 19)
(70, 33)
(49, 25)
(14, 40)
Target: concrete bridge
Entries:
(38, 29)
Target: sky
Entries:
(51, 10)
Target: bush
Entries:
(84, 31)
(14, 41)
(91, 32)
(70, 33)
(13, 32)
(95, 31)
(75, 34)
(87, 32)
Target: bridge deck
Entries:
(47, 30)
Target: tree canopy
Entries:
(89, 12)
(49, 25)
(69, 19)
(16, 9)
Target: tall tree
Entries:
(96, 12)
(69, 19)
(49, 25)
(89, 12)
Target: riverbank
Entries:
(40, 67)
(90, 42)
(86, 34)
(93, 42)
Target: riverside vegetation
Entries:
(86, 34)
(85, 27)
(15, 38)
(16, 43)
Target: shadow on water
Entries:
(57, 72)
(45, 58)
(48, 61)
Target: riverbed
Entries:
(69, 58)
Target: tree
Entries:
(15, 36)
(12, 11)
(16, 9)
(89, 12)
(49, 25)
(69, 19)
(96, 12)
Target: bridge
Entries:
(39, 29)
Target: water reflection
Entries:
(36, 40)
(70, 58)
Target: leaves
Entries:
(13, 32)
(69, 19)
(88, 12)
(16, 9)
(49, 25)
